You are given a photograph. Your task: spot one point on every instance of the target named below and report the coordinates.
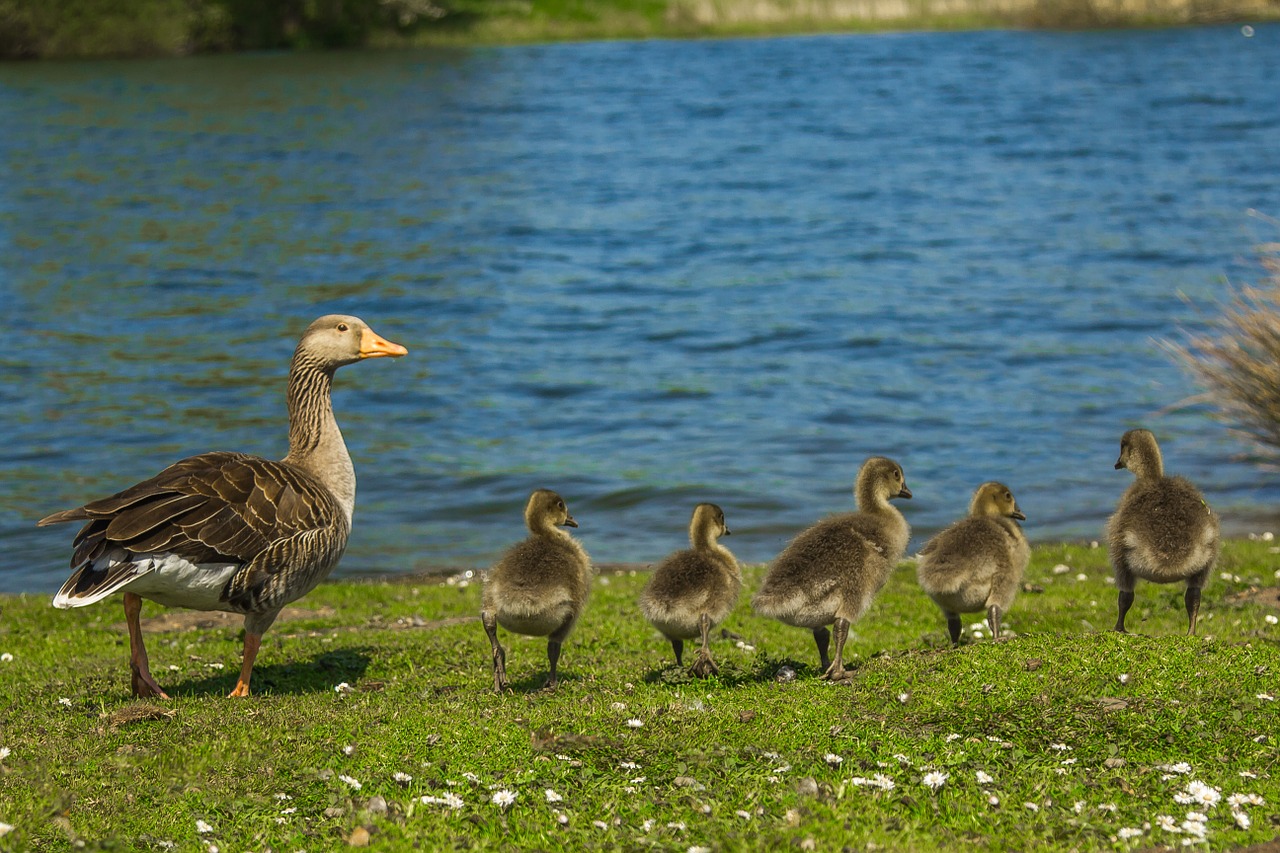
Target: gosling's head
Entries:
(880, 479)
(547, 509)
(995, 499)
(707, 524)
(1140, 453)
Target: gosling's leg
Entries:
(553, 657)
(677, 646)
(1192, 598)
(704, 665)
(1124, 584)
(141, 681)
(953, 628)
(490, 622)
(822, 637)
(836, 671)
(993, 621)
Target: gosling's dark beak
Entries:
(568, 521)
(727, 531)
(1017, 513)
(905, 493)
(1119, 463)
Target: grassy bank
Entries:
(93, 28)
(1073, 726)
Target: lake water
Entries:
(643, 274)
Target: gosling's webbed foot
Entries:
(704, 666)
(836, 672)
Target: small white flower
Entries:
(283, 797)
(638, 780)
(472, 778)
(552, 796)
(619, 706)
(993, 800)
(1272, 620)
(902, 759)
(1123, 678)
(1226, 576)
(903, 697)
(402, 778)
(1266, 697)
(352, 783)
(1204, 794)
(1238, 800)
(1180, 767)
(1082, 577)
(1031, 807)
(344, 687)
(65, 702)
(1167, 823)
(635, 723)
(1107, 807)
(1127, 832)
(952, 737)
(678, 826)
(4, 752)
(1267, 536)
(1248, 774)
(984, 778)
(504, 799)
(599, 824)
(203, 828)
(1193, 827)
(289, 810)
(450, 799)
(1241, 819)
(1078, 806)
(562, 818)
(6, 658)
(629, 765)
(697, 849)
(831, 758)
(978, 635)
(349, 749)
(1061, 569)
(744, 815)
(933, 780)
(1068, 761)
(746, 647)
(1060, 747)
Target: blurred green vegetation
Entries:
(95, 28)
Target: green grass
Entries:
(735, 762)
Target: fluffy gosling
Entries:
(693, 590)
(540, 585)
(830, 572)
(977, 563)
(1162, 531)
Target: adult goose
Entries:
(229, 531)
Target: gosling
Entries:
(540, 585)
(977, 563)
(692, 591)
(830, 572)
(1162, 531)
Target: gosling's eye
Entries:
(342, 327)
(559, 504)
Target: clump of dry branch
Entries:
(1238, 361)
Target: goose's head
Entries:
(335, 340)
(1140, 453)
(707, 524)
(546, 509)
(879, 480)
(995, 499)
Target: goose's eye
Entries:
(342, 327)
(559, 504)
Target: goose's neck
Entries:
(315, 442)
(1150, 464)
(870, 499)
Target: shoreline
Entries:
(76, 29)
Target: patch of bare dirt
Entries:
(1269, 596)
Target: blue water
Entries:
(643, 274)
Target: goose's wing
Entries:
(214, 508)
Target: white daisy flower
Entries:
(1167, 823)
(1241, 819)
(1180, 767)
(1247, 774)
(1271, 620)
(952, 737)
(934, 780)
(619, 706)
(629, 765)
(552, 796)
(1078, 807)
(635, 723)
(1127, 832)
(831, 758)
(993, 800)
(1204, 794)
(342, 688)
(984, 778)
(1107, 807)
(402, 778)
(352, 783)
(1123, 678)
(903, 697)
(562, 818)
(1238, 800)
(349, 749)
(1266, 697)
(65, 702)
(1060, 747)
(504, 799)
(4, 752)
(744, 815)
(282, 797)
(1031, 807)
(203, 828)
(599, 824)
(6, 658)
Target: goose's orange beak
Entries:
(373, 345)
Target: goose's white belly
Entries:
(175, 582)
